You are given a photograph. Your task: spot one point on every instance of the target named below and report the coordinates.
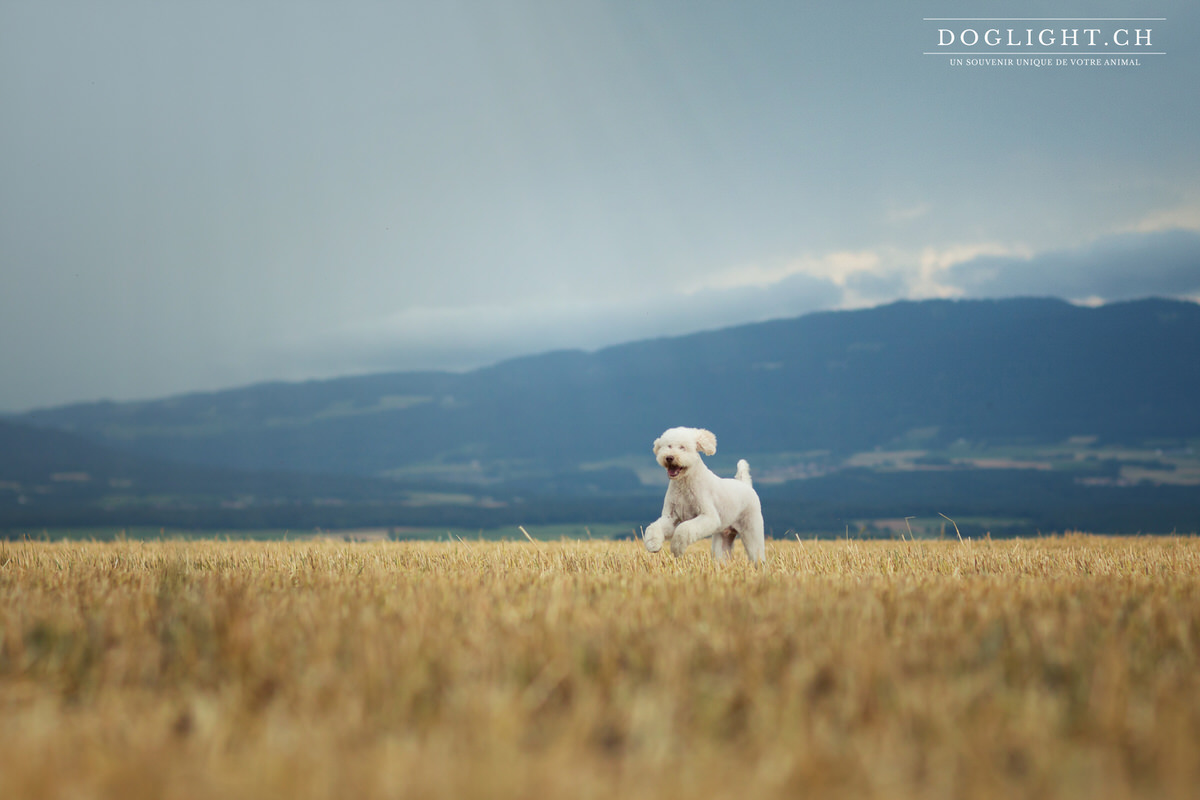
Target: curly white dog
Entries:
(699, 504)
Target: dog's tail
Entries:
(743, 473)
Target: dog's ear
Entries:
(654, 448)
(706, 441)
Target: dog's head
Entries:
(676, 450)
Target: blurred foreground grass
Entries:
(1064, 667)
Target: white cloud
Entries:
(869, 276)
(1148, 262)
(935, 263)
(837, 268)
(1185, 216)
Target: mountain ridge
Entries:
(839, 381)
(1011, 416)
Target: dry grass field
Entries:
(1064, 667)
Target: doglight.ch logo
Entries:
(1070, 42)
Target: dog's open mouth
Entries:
(674, 471)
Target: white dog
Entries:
(699, 504)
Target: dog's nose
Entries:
(669, 459)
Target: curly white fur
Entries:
(699, 504)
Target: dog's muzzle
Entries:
(674, 469)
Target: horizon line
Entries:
(1044, 19)
(1014, 53)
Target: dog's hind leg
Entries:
(754, 539)
(722, 545)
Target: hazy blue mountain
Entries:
(838, 381)
(50, 477)
(556, 437)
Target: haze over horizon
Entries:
(201, 196)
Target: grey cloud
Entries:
(194, 195)
(465, 337)
(1114, 268)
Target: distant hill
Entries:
(1010, 417)
(836, 381)
(50, 477)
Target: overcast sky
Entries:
(199, 195)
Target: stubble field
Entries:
(1064, 667)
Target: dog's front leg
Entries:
(659, 531)
(694, 530)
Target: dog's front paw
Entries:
(678, 546)
(656, 535)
